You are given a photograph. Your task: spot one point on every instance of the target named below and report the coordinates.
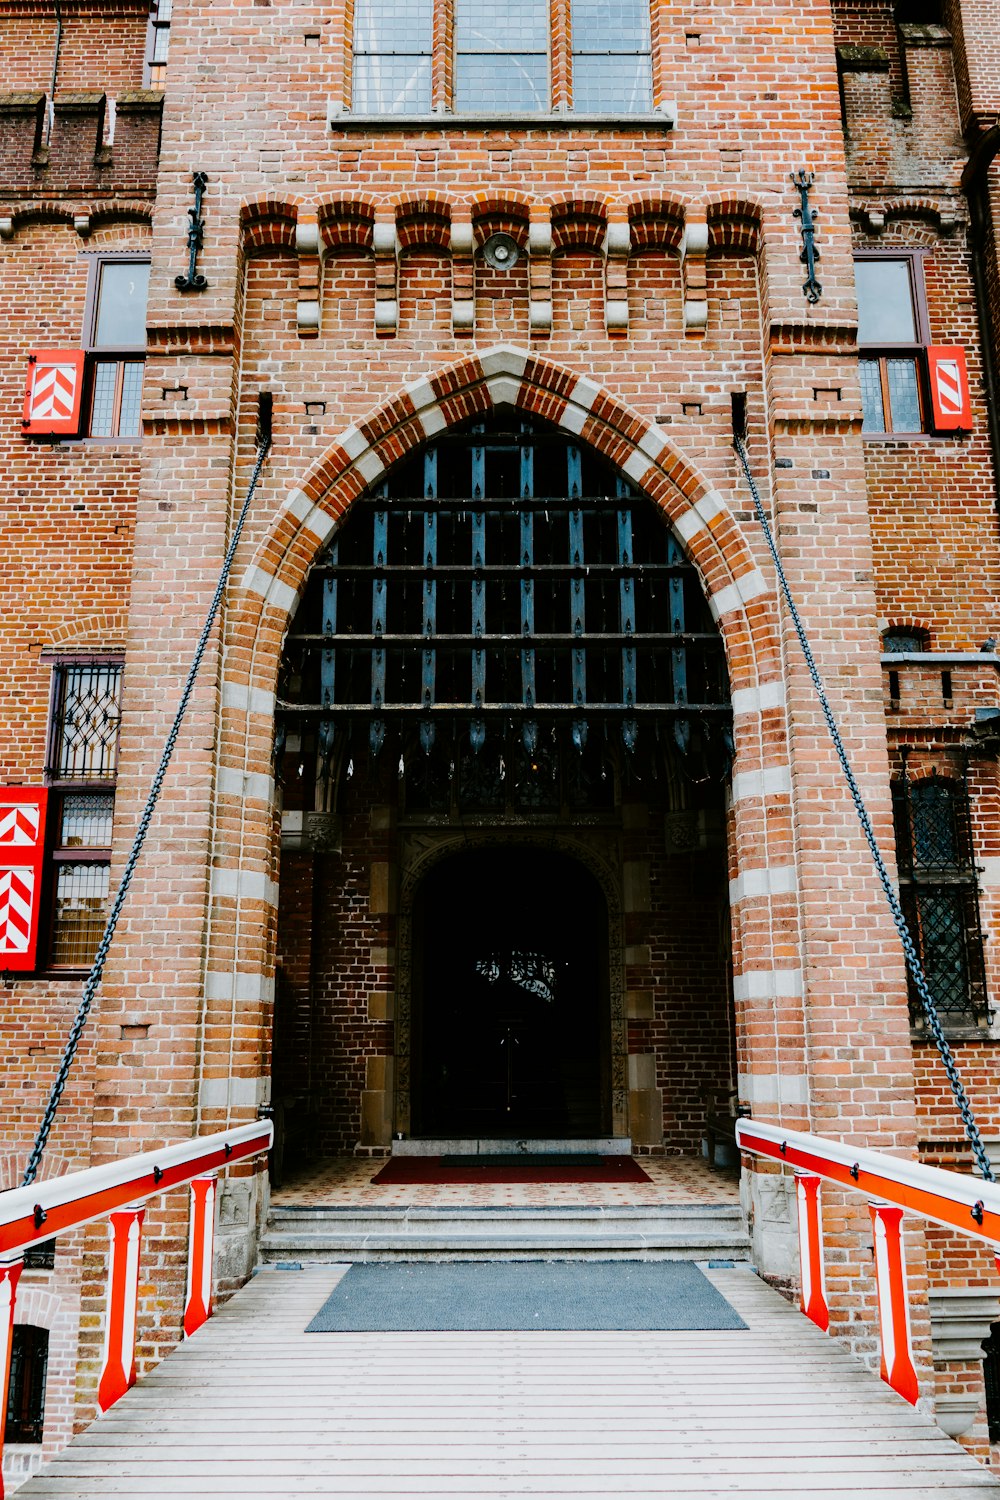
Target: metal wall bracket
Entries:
(194, 281)
(812, 288)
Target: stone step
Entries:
(327, 1234)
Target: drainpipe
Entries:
(50, 112)
(975, 185)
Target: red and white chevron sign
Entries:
(19, 825)
(54, 392)
(22, 851)
(949, 388)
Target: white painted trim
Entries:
(774, 880)
(369, 466)
(757, 700)
(775, 781)
(241, 784)
(235, 884)
(768, 984)
(246, 699)
(774, 1088)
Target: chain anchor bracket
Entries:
(811, 287)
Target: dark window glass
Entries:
(26, 1393)
(900, 642)
(41, 1257)
(392, 57)
(904, 397)
(501, 55)
(885, 302)
(939, 896)
(612, 70)
(120, 317)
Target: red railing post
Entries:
(118, 1373)
(812, 1270)
(11, 1267)
(201, 1245)
(893, 1302)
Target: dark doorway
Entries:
(511, 971)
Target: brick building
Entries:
(505, 740)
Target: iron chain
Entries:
(93, 981)
(913, 963)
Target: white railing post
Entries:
(11, 1267)
(201, 1245)
(812, 1268)
(893, 1301)
(118, 1372)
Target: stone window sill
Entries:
(663, 118)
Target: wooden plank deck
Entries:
(253, 1406)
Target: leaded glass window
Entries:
(392, 57)
(501, 55)
(612, 66)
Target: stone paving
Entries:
(347, 1182)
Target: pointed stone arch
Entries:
(240, 941)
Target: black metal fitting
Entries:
(803, 181)
(977, 1211)
(40, 1216)
(194, 281)
(157, 1173)
(855, 1171)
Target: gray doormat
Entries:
(431, 1296)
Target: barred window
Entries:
(29, 1361)
(939, 895)
(903, 642)
(83, 765)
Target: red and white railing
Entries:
(119, 1191)
(894, 1186)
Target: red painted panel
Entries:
(949, 388)
(22, 852)
(53, 394)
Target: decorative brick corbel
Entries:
(617, 249)
(463, 273)
(6, 228)
(694, 248)
(307, 243)
(81, 223)
(385, 244)
(540, 270)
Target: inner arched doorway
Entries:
(511, 1022)
(503, 651)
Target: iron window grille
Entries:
(893, 333)
(504, 624)
(940, 897)
(82, 770)
(500, 60)
(115, 343)
(29, 1358)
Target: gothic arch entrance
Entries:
(504, 646)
